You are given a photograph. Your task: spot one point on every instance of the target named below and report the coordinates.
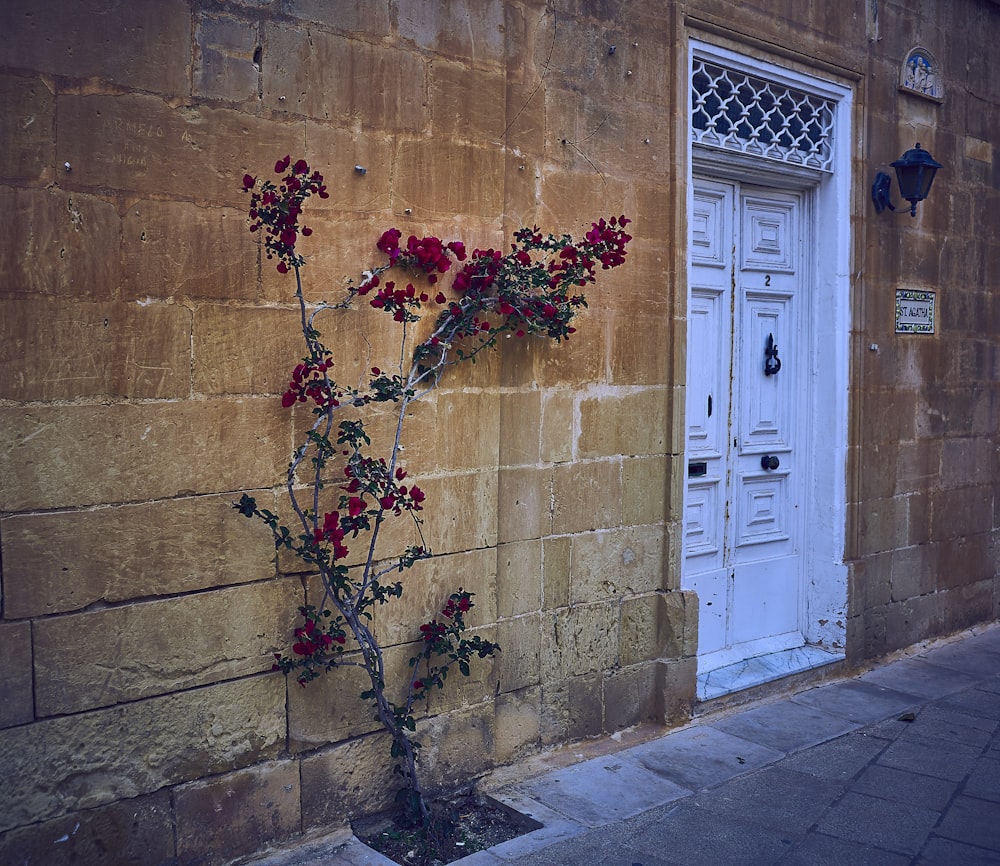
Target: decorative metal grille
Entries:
(737, 111)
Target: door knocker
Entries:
(772, 363)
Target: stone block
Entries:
(238, 813)
(641, 352)
(470, 30)
(224, 66)
(467, 103)
(452, 431)
(245, 351)
(572, 709)
(68, 560)
(334, 152)
(434, 177)
(677, 685)
(963, 560)
(656, 626)
(108, 350)
(961, 512)
(50, 243)
(143, 145)
(556, 553)
(519, 578)
(520, 428)
(558, 426)
(89, 41)
(103, 657)
(330, 710)
(572, 198)
(174, 249)
(579, 640)
(27, 145)
(304, 70)
(608, 565)
(348, 781)
(16, 698)
(523, 505)
(456, 747)
(647, 494)
(145, 451)
(516, 727)
(630, 698)
(426, 588)
(357, 16)
(460, 512)
(587, 496)
(628, 423)
(137, 830)
(913, 572)
(61, 765)
(520, 656)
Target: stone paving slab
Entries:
(857, 701)
(785, 726)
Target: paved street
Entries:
(898, 766)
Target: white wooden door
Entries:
(745, 381)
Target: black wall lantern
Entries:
(915, 172)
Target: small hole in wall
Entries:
(258, 55)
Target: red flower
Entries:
(282, 164)
(355, 506)
(249, 181)
(301, 167)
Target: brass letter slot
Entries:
(696, 470)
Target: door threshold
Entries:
(757, 671)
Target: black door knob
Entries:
(769, 461)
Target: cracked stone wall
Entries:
(144, 345)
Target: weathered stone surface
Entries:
(612, 564)
(465, 179)
(48, 249)
(52, 351)
(556, 572)
(145, 451)
(144, 44)
(351, 15)
(517, 729)
(305, 70)
(677, 684)
(142, 144)
(630, 698)
(579, 640)
(125, 833)
(173, 249)
(238, 813)
(648, 487)
(520, 419)
(456, 746)
(656, 626)
(519, 584)
(122, 654)
(16, 698)
(56, 766)
(628, 423)
(224, 65)
(465, 103)
(524, 509)
(559, 428)
(471, 30)
(27, 145)
(347, 781)
(67, 560)
(587, 496)
(520, 656)
(572, 709)
(245, 350)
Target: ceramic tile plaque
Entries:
(914, 312)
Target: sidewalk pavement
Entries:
(900, 765)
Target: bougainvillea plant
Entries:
(535, 288)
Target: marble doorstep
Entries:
(762, 669)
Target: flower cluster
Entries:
(276, 209)
(318, 647)
(311, 382)
(428, 255)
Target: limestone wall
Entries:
(144, 345)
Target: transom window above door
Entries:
(736, 110)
